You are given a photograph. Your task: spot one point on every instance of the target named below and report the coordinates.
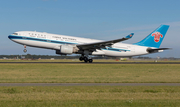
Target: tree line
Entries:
(29, 56)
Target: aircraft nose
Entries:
(10, 36)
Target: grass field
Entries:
(90, 73)
(90, 96)
(93, 96)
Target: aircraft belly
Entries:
(98, 52)
(114, 53)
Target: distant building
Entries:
(5, 58)
(52, 58)
(22, 57)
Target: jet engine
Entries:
(67, 49)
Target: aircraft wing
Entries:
(103, 44)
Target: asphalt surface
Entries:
(97, 62)
(89, 84)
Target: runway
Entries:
(89, 84)
(93, 62)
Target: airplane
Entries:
(64, 45)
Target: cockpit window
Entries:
(15, 33)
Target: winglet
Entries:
(129, 36)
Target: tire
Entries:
(81, 58)
(24, 50)
(85, 59)
(90, 60)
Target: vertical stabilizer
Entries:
(155, 38)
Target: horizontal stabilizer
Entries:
(156, 50)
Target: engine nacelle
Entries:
(58, 52)
(67, 49)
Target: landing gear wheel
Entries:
(86, 59)
(24, 50)
(81, 58)
(90, 60)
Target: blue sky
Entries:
(97, 19)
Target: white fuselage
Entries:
(54, 41)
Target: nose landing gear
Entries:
(25, 50)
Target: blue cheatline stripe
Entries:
(59, 42)
(115, 49)
(38, 39)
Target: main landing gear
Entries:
(86, 59)
(25, 50)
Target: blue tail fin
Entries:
(155, 38)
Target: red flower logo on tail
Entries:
(157, 36)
